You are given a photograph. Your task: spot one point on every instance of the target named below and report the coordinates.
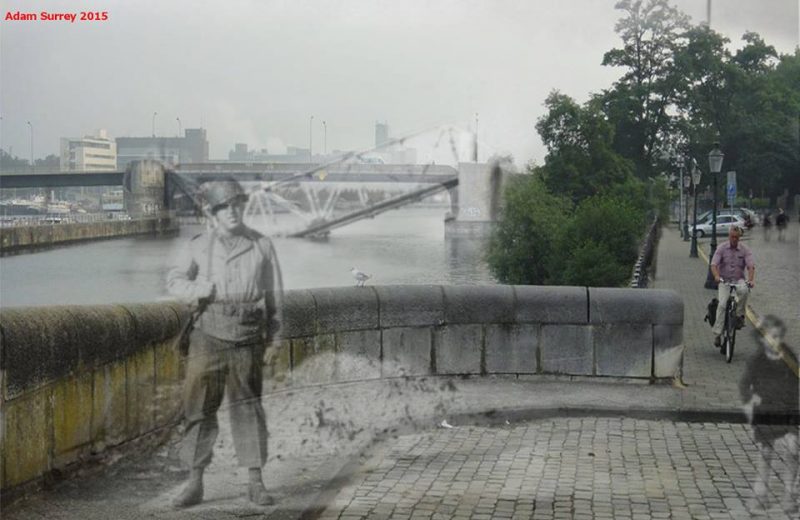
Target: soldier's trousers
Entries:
(212, 366)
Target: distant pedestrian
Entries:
(780, 222)
(769, 390)
(231, 274)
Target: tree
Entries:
(11, 161)
(613, 222)
(745, 101)
(523, 242)
(51, 161)
(638, 104)
(580, 161)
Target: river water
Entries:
(405, 246)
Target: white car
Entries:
(724, 223)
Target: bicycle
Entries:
(731, 322)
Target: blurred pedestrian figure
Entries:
(766, 222)
(231, 274)
(769, 390)
(780, 222)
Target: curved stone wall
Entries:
(75, 380)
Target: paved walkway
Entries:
(517, 448)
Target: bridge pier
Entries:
(145, 189)
(477, 200)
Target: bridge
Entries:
(151, 187)
(351, 173)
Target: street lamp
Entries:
(696, 173)
(310, 139)
(475, 149)
(325, 140)
(178, 119)
(715, 157)
(687, 180)
(30, 125)
(154, 123)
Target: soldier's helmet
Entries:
(218, 193)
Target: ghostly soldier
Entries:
(769, 389)
(230, 272)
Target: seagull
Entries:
(361, 278)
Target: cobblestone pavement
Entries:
(564, 468)
(324, 458)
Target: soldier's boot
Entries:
(256, 491)
(192, 494)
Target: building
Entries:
(293, 155)
(88, 154)
(381, 133)
(393, 153)
(191, 148)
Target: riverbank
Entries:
(21, 239)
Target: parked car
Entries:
(740, 212)
(724, 223)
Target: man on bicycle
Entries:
(728, 264)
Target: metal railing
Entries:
(59, 218)
(640, 278)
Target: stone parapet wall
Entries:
(24, 238)
(75, 380)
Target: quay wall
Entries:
(75, 380)
(19, 239)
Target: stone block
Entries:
(103, 333)
(551, 304)
(140, 371)
(358, 355)
(346, 308)
(668, 349)
(38, 347)
(169, 375)
(299, 314)
(154, 322)
(566, 349)
(406, 351)
(410, 305)
(654, 306)
(72, 417)
(478, 304)
(512, 349)
(28, 424)
(313, 360)
(624, 349)
(458, 349)
(109, 405)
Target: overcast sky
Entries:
(254, 71)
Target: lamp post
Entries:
(687, 180)
(31, 126)
(475, 150)
(680, 200)
(154, 123)
(715, 157)
(696, 173)
(310, 139)
(178, 119)
(325, 138)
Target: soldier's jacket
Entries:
(244, 308)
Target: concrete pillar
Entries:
(145, 184)
(480, 189)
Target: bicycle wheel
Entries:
(730, 333)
